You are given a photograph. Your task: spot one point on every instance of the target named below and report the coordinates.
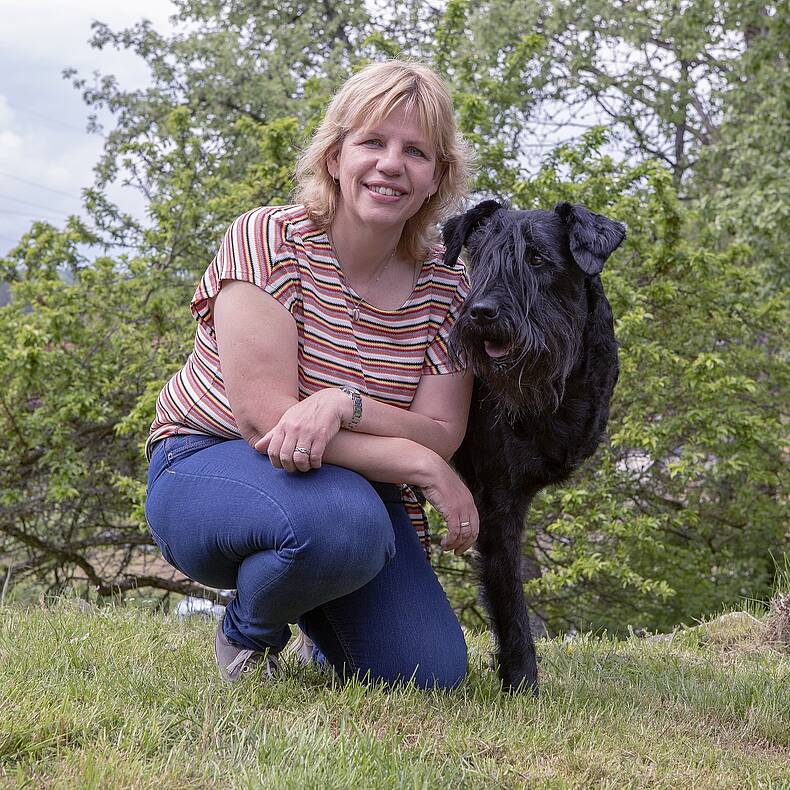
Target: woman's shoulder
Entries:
(444, 270)
(281, 223)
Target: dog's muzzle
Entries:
(483, 315)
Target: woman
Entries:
(319, 387)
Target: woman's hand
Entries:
(448, 494)
(311, 424)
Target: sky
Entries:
(46, 154)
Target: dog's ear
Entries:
(458, 229)
(592, 237)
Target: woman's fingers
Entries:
(461, 534)
(303, 460)
(285, 454)
(273, 450)
(309, 425)
(317, 454)
(468, 542)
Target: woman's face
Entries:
(385, 172)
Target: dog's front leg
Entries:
(499, 547)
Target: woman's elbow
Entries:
(253, 424)
(452, 443)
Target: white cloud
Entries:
(6, 113)
(11, 145)
(51, 31)
(46, 157)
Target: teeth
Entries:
(384, 191)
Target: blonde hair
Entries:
(366, 98)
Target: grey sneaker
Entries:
(302, 647)
(234, 661)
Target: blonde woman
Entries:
(320, 393)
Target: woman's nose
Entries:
(391, 161)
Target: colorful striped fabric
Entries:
(383, 353)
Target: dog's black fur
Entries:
(540, 408)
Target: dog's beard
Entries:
(529, 379)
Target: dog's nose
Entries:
(484, 310)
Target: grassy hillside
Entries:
(117, 697)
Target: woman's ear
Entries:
(333, 161)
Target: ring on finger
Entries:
(464, 524)
(304, 450)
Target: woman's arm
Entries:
(436, 418)
(261, 382)
(261, 378)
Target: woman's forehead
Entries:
(373, 118)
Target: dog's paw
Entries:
(520, 683)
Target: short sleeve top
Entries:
(382, 353)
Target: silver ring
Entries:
(465, 524)
(302, 450)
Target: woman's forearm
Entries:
(383, 419)
(382, 458)
(401, 440)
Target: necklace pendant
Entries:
(355, 314)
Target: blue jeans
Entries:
(326, 549)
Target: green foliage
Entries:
(82, 356)
(743, 191)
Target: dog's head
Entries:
(521, 326)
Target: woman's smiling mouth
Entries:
(384, 191)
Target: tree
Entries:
(83, 350)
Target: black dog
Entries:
(536, 330)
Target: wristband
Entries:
(356, 399)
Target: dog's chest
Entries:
(526, 454)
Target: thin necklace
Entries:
(354, 312)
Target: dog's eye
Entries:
(537, 260)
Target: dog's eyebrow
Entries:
(545, 252)
(538, 248)
(537, 244)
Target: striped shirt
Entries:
(383, 353)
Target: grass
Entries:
(119, 697)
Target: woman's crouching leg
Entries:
(287, 542)
(339, 538)
(400, 626)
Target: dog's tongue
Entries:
(495, 350)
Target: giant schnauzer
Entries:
(536, 330)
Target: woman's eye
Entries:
(372, 141)
(415, 151)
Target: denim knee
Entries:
(437, 666)
(453, 669)
(442, 669)
(354, 536)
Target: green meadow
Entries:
(117, 696)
